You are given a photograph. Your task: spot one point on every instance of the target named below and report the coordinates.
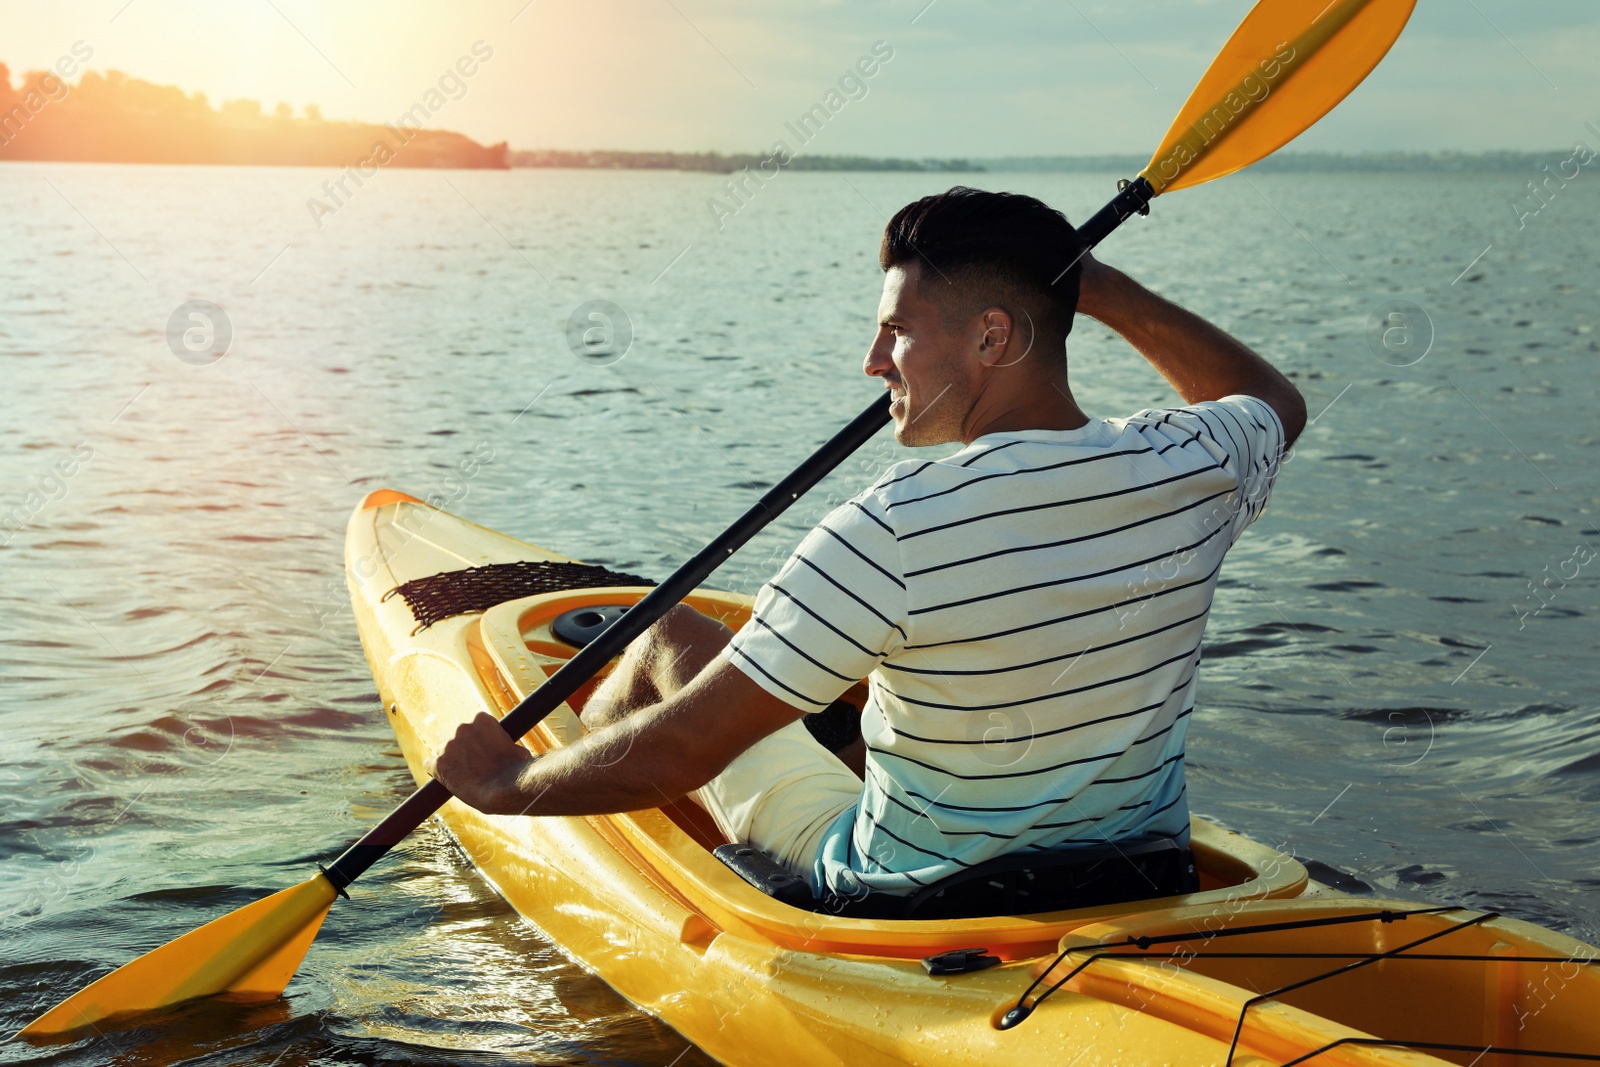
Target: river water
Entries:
(1400, 681)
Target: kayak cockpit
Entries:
(515, 647)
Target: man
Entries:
(1029, 610)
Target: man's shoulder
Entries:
(910, 482)
(1011, 464)
(1236, 409)
(910, 479)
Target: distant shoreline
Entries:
(1284, 162)
(112, 118)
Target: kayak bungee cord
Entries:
(1238, 1028)
(1470, 957)
(1440, 1046)
(1024, 1008)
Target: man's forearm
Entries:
(633, 764)
(1201, 361)
(655, 755)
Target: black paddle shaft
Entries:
(588, 661)
(1132, 199)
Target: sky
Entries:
(1014, 77)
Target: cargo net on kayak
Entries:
(477, 589)
(1109, 950)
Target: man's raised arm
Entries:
(1200, 360)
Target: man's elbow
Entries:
(687, 760)
(685, 776)
(1290, 407)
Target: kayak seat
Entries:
(1030, 883)
(1059, 880)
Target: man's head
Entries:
(978, 298)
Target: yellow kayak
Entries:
(1261, 966)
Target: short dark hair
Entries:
(975, 248)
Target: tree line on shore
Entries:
(112, 118)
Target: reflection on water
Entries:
(1400, 680)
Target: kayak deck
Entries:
(640, 899)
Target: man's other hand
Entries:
(1094, 286)
(483, 767)
(1201, 361)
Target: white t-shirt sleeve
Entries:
(1247, 436)
(834, 611)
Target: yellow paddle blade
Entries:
(252, 952)
(1286, 66)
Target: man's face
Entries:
(928, 371)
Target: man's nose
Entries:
(877, 363)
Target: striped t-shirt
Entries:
(1028, 612)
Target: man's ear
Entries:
(997, 338)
